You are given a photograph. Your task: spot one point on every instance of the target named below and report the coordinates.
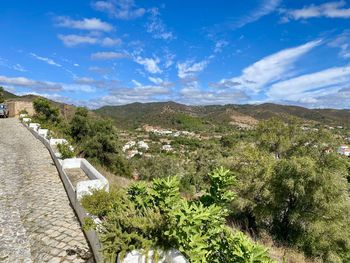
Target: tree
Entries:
(253, 169)
(310, 205)
(45, 111)
(2, 96)
(80, 124)
(276, 136)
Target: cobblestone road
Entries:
(37, 223)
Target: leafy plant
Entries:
(65, 150)
(2, 96)
(155, 216)
(45, 111)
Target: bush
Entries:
(45, 112)
(97, 141)
(2, 97)
(65, 150)
(147, 217)
(288, 185)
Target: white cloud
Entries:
(196, 96)
(108, 55)
(39, 86)
(99, 70)
(138, 93)
(74, 40)
(189, 68)
(270, 69)
(330, 10)
(310, 86)
(19, 67)
(109, 42)
(121, 9)
(156, 26)
(156, 80)
(342, 42)
(84, 24)
(219, 45)
(101, 84)
(46, 60)
(266, 7)
(150, 64)
(25, 82)
(161, 82)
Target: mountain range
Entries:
(179, 116)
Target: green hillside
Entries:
(9, 95)
(175, 115)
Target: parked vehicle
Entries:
(4, 112)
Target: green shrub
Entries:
(45, 111)
(2, 96)
(65, 150)
(156, 216)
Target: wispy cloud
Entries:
(342, 42)
(307, 88)
(331, 10)
(19, 67)
(47, 86)
(74, 40)
(219, 45)
(269, 69)
(84, 24)
(161, 82)
(196, 96)
(110, 42)
(108, 55)
(265, 8)
(156, 26)
(150, 64)
(46, 60)
(101, 84)
(190, 68)
(137, 93)
(25, 82)
(121, 9)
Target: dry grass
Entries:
(114, 180)
(284, 254)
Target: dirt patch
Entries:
(76, 175)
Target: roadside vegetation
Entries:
(2, 97)
(280, 181)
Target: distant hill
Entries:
(9, 95)
(175, 115)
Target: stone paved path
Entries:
(37, 223)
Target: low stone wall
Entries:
(97, 181)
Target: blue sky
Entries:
(96, 53)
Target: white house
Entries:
(344, 150)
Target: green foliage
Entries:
(187, 122)
(156, 216)
(80, 125)
(190, 143)
(220, 182)
(23, 112)
(45, 112)
(288, 185)
(98, 141)
(65, 150)
(2, 96)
